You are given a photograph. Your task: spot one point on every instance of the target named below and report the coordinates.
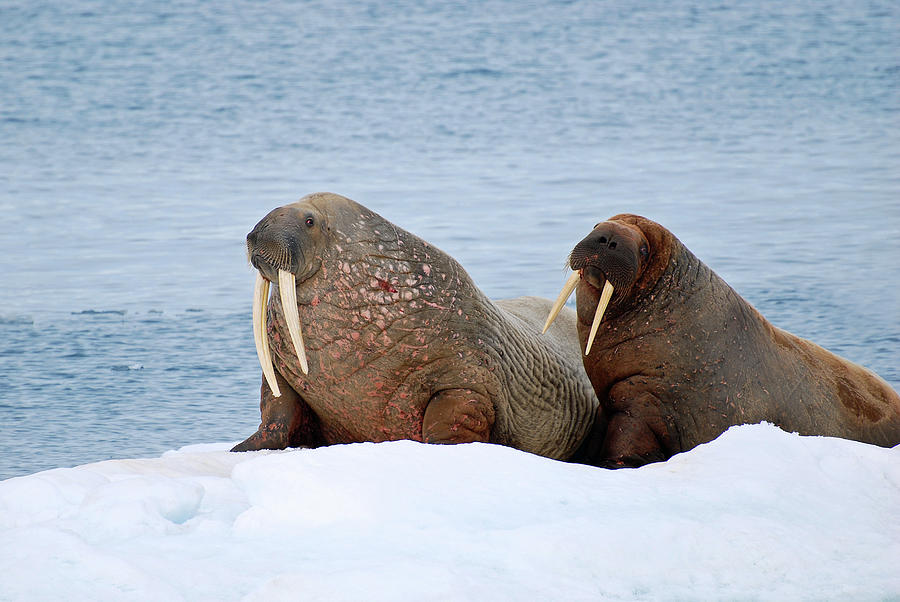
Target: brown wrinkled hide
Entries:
(402, 345)
(680, 357)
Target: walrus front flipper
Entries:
(637, 433)
(458, 416)
(286, 421)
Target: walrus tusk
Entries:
(287, 284)
(605, 296)
(260, 307)
(564, 295)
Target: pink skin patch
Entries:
(385, 286)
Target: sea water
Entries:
(141, 141)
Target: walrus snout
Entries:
(278, 242)
(271, 256)
(613, 252)
(610, 257)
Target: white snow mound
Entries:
(756, 514)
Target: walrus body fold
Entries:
(400, 344)
(680, 357)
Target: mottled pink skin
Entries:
(369, 342)
(402, 345)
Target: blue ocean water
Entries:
(140, 141)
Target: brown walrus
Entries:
(679, 356)
(376, 335)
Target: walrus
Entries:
(372, 334)
(676, 356)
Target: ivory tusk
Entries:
(260, 308)
(564, 295)
(605, 296)
(287, 285)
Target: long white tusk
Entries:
(605, 296)
(287, 284)
(564, 295)
(260, 307)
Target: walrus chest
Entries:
(370, 415)
(355, 399)
(370, 378)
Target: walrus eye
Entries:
(644, 251)
(310, 222)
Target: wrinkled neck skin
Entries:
(368, 261)
(388, 321)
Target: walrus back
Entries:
(863, 406)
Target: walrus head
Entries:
(610, 258)
(285, 247)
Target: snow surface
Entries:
(756, 514)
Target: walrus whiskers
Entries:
(287, 285)
(605, 296)
(260, 308)
(564, 295)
